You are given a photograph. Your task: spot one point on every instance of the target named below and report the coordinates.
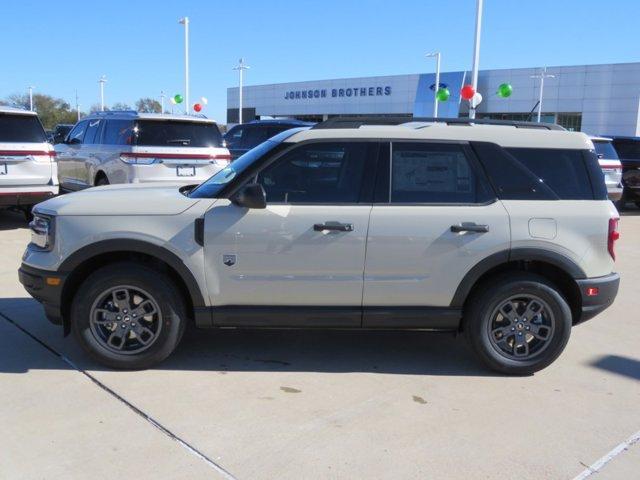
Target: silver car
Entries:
(131, 147)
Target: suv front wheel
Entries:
(518, 324)
(128, 316)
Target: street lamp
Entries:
(102, 81)
(161, 101)
(185, 21)
(77, 105)
(542, 76)
(240, 67)
(31, 97)
(476, 57)
(435, 55)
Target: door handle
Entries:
(469, 227)
(333, 226)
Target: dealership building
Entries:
(597, 99)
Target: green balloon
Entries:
(178, 98)
(505, 90)
(443, 94)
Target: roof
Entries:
(504, 135)
(594, 138)
(17, 111)
(132, 114)
(282, 121)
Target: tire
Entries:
(145, 343)
(102, 180)
(493, 336)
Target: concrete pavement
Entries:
(268, 404)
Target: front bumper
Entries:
(597, 294)
(46, 287)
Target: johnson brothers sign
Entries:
(338, 92)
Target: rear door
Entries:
(25, 157)
(435, 217)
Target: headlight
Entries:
(42, 231)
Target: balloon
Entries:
(178, 98)
(477, 99)
(172, 100)
(467, 92)
(505, 90)
(197, 107)
(443, 94)
(203, 100)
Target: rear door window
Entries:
(171, 133)
(21, 129)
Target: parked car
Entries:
(28, 172)
(479, 229)
(131, 147)
(628, 149)
(242, 138)
(611, 167)
(60, 132)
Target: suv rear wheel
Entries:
(128, 316)
(518, 324)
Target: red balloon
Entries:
(467, 92)
(197, 107)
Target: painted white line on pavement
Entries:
(595, 467)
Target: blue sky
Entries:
(62, 46)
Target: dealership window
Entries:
(434, 173)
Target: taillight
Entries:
(614, 234)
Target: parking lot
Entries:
(308, 404)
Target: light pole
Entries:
(476, 57)
(102, 81)
(161, 101)
(240, 67)
(437, 85)
(185, 21)
(542, 76)
(31, 97)
(77, 105)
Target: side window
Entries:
(234, 137)
(254, 136)
(320, 173)
(118, 132)
(563, 171)
(76, 135)
(434, 173)
(92, 134)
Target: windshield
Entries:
(21, 129)
(171, 133)
(211, 187)
(605, 150)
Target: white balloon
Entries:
(477, 99)
(203, 100)
(172, 100)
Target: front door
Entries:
(437, 218)
(301, 260)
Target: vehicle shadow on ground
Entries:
(228, 350)
(10, 220)
(625, 366)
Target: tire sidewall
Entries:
(158, 286)
(484, 306)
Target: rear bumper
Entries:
(595, 301)
(614, 193)
(18, 197)
(35, 282)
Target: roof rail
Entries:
(116, 112)
(356, 122)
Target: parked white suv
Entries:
(28, 172)
(502, 232)
(611, 166)
(131, 147)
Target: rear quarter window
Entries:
(21, 129)
(171, 133)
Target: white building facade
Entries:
(597, 99)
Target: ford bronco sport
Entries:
(501, 232)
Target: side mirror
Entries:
(251, 195)
(73, 141)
